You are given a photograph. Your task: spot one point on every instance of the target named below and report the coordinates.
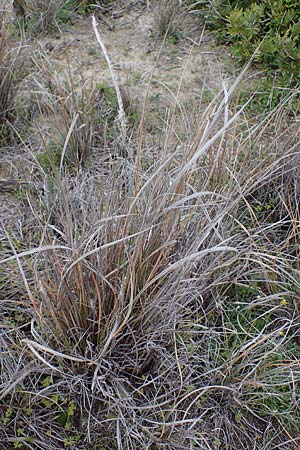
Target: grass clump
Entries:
(10, 62)
(162, 313)
(80, 120)
(168, 15)
(40, 16)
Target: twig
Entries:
(121, 116)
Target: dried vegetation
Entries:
(155, 305)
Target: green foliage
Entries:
(65, 10)
(271, 28)
(174, 38)
(40, 16)
(111, 100)
(55, 404)
(4, 134)
(50, 159)
(47, 382)
(71, 441)
(7, 416)
(111, 104)
(20, 195)
(265, 95)
(275, 27)
(272, 393)
(66, 417)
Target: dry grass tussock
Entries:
(160, 315)
(10, 68)
(168, 16)
(40, 16)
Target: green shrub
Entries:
(271, 27)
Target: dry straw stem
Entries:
(121, 117)
(168, 12)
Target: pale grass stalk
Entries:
(67, 141)
(34, 251)
(122, 116)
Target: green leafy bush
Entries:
(272, 25)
